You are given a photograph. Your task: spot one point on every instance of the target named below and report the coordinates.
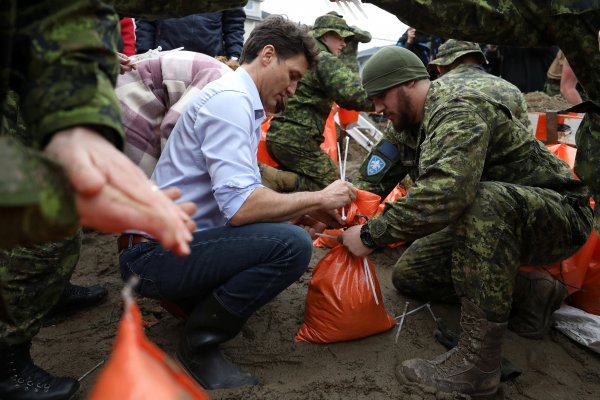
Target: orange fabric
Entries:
(137, 369)
(329, 146)
(262, 153)
(340, 305)
(395, 194)
(588, 298)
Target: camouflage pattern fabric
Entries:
(158, 9)
(483, 176)
(572, 25)
(379, 173)
(295, 136)
(552, 87)
(33, 279)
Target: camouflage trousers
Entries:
(33, 279)
(479, 256)
(314, 167)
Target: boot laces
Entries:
(33, 377)
(464, 350)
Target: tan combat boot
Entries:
(472, 367)
(278, 180)
(535, 298)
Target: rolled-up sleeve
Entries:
(229, 149)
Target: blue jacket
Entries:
(214, 34)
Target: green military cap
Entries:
(389, 67)
(453, 49)
(360, 35)
(331, 22)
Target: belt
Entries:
(126, 241)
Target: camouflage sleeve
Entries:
(341, 84)
(483, 21)
(158, 9)
(451, 164)
(36, 200)
(69, 55)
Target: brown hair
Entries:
(288, 38)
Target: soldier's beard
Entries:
(405, 113)
(281, 105)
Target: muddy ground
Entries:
(553, 368)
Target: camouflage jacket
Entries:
(309, 108)
(467, 137)
(572, 25)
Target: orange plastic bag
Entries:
(588, 298)
(262, 154)
(343, 303)
(329, 145)
(564, 152)
(347, 117)
(137, 369)
(327, 241)
(366, 204)
(398, 192)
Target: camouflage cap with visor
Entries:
(452, 49)
(330, 22)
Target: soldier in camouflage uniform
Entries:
(487, 197)
(574, 26)
(57, 70)
(295, 135)
(392, 158)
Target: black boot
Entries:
(208, 325)
(75, 298)
(21, 379)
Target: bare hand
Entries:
(124, 64)
(113, 194)
(337, 195)
(410, 36)
(351, 239)
(310, 225)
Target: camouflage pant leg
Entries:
(507, 226)
(423, 270)
(315, 169)
(587, 162)
(552, 87)
(33, 279)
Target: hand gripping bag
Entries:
(343, 302)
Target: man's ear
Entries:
(267, 54)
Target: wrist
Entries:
(366, 238)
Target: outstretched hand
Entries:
(337, 195)
(113, 195)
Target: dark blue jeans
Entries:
(244, 266)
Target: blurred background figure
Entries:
(214, 34)
(423, 45)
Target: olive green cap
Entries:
(389, 67)
(452, 49)
(331, 22)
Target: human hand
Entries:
(124, 64)
(351, 239)
(337, 195)
(410, 35)
(113, 194)
(310, 225)
(330, 218)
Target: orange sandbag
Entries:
(366, 204)
(341, 303)
(395, 194)
(588, 298)
(137, 369)
(347, 117)
(327, 241)
(329, 145)
(564, 152)
(262, 154)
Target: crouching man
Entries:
(487, 198)
(244, 251)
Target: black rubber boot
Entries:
(209, 325)
(75, 298)
(21, 379)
